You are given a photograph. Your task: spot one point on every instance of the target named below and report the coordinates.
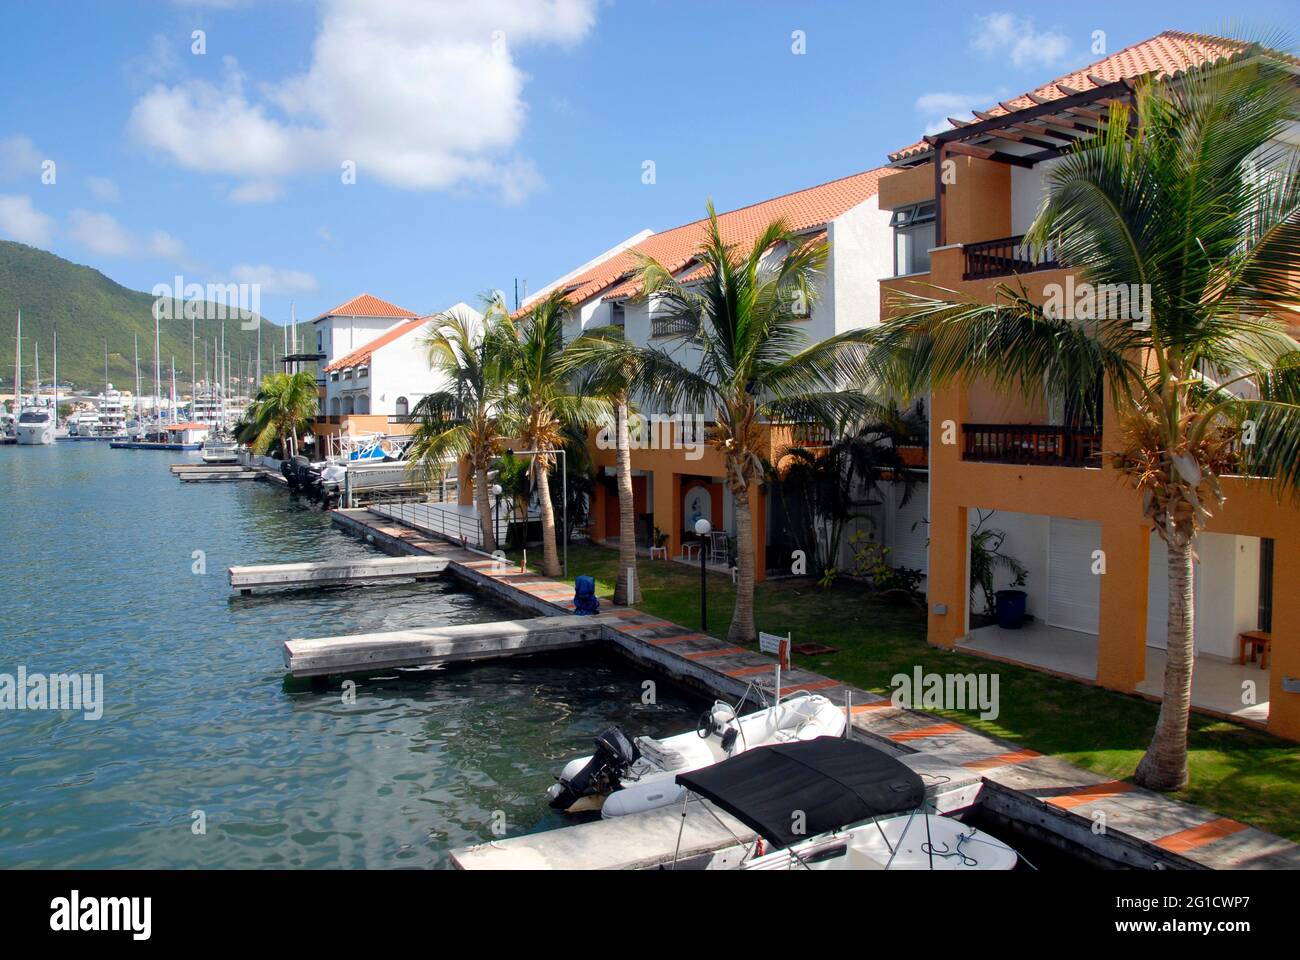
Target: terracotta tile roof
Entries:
(1164, 55)
(629, 287)
(366, 305)
(362, 353)
(676, 248)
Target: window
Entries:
(347, 374)
(403, 407)
(334, 406)
(362, 372)
(913, 238)
(617, 315)
(320, 341)
(363, 403)
(335, 376)
(348, 405)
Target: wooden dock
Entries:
(334, 572)
(437, 645)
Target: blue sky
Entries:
(493, 139)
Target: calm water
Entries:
(97, 550)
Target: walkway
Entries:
(1141, 828)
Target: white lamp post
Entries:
(496, 514)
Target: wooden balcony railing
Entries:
(1000, 258)
(1034, 444)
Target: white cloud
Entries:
(103, 189)
(420, 95)
(1004, 35)
(938, 106)
(254, 191)
(21, 221)
(19, 158)
(101, 233)
(274, 280)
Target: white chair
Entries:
(719, 546)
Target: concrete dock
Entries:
(334, 572)
(436, 645)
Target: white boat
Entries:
(83, 424)
(220, 450)
(631, 776)
(798, 798)
(35, 427)
(8, 428)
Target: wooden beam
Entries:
(988, 153)
(1046, 108)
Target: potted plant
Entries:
(1010, 603)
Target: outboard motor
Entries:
(614, 756)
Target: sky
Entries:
(428, 151)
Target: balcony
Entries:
(1001, 258)
(1033, 444)
(674, 327)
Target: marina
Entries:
(918, 507)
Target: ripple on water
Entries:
(198, 716)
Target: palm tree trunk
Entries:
(742, 620)
(484, 509)
(1164, 766)
(626, 517)
(550, 556)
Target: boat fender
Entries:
(729, 739)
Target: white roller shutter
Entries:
(909, 533)
(1073, 590)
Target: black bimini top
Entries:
(789, 792)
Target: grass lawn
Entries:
(1237, 772)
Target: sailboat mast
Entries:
(36, 389)
(56, 378)
(135, 347)
(157, 362)
(18, 363)
(194, 390)
(173, 411)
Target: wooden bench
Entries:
(1259, 641)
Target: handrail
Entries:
(1029, 443)
(1004, 256)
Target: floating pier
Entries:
(437, 645)
(334, 572)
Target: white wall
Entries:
(1226, 592)
(342, 335)
(861, 254)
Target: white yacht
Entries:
(35, 426)
(83, 424)
(112, 414)
(210, 407)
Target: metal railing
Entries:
(672, 327)
(1007, 255)
(1034, 444)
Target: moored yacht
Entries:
(35, 426)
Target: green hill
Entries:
(89, 309)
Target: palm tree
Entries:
(611, 364)
(541, 405)
(462, 420)
(747, 361)
(1197, 204)
(284, 404)
(838, 483)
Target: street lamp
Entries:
(702, 527)
(496, 515)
